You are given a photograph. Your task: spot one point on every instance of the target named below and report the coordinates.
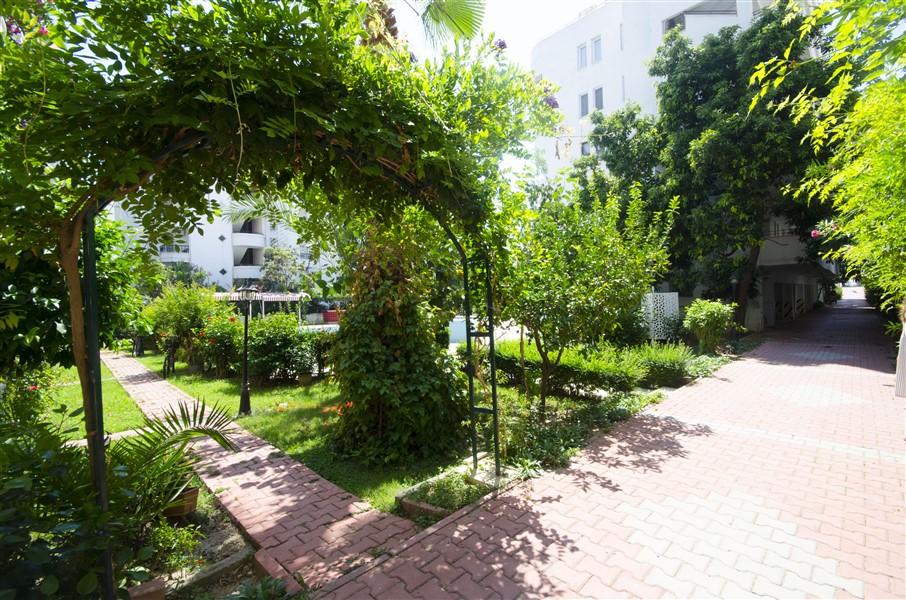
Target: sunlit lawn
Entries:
(120, 411)
(299, 431)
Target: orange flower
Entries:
(349, 404)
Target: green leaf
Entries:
(87, 584)
(50, 585)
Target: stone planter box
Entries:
(314, 318)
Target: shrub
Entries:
(709, 321)
(666, 364)
(25, 397)
(322, 348)
(278, 348)
(218, 345)
(180, 312)
(403, 395)
(577, 373)
(174, 547)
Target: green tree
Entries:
(403, 395)
(284, 271)
(574, 273)
(186, 273)
(729, 166)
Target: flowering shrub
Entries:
(180, 313)
(218, 345)
(404, 396)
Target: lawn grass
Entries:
(298, 429)
(120, 411)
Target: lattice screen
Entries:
(659, 309)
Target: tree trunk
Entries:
(70, 244)
(744, 285)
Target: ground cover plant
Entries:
(450, 491)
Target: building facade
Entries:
(600, 63)
(231, 253)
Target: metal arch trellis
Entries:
(474, 409)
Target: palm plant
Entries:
(441, 19)
(152, 468)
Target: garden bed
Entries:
(435, 498)
(189, 546)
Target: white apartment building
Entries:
(600, 63)
(231, 253)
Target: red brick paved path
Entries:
(782, 476)
(308, 525)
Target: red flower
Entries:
(33, 387)
(201, 333)
(232, 319)
(349, 404)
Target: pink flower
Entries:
(815, 234)
(43, 30)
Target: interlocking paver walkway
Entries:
(781, 476)
(311, 527)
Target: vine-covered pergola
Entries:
(156, 103)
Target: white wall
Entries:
(631, 33)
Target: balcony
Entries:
(247, 272)
(173, 253)
(248, 240)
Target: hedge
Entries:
(583, 370)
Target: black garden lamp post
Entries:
(246, 294)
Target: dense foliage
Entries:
(403, 397)
(34, 316)
(710, 321)
(866, 48)
(179, 314)
(50, 525)
(576, 272)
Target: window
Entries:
(677, 21)
(583, 105)
(596, 50)
(582, 56)
(599, 98)
(586, 149)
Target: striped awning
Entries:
(263, 297)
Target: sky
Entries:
(520, 23)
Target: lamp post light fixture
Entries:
(246, 294)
